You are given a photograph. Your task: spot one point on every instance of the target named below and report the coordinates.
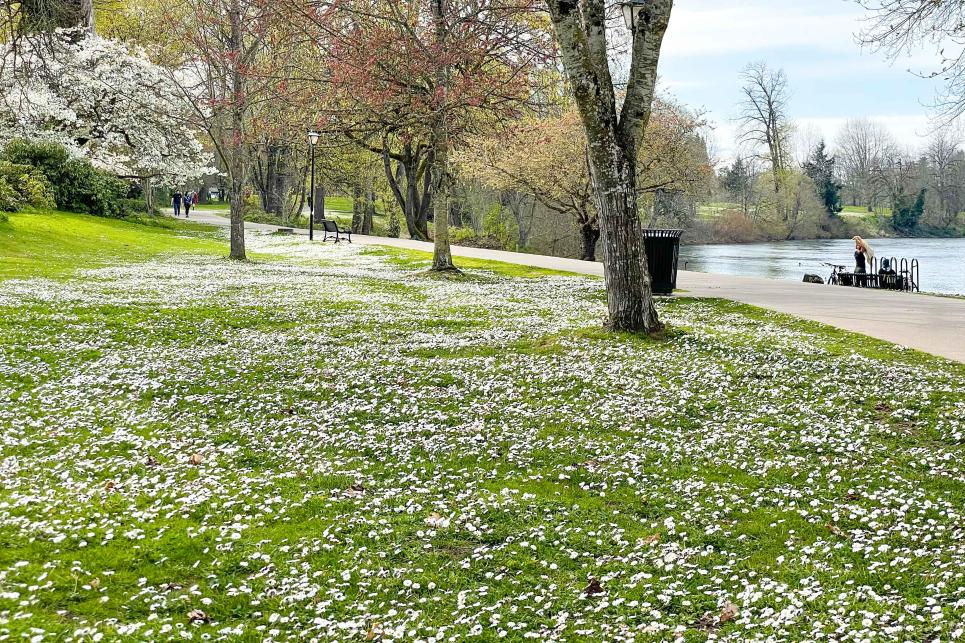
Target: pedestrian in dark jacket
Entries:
(176, 201)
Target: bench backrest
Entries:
(330, 226)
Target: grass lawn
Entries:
(862, 211)
(46, 243)
(214, 205)
(331, 444)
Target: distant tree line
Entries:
(864, 169)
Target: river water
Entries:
(941, 261)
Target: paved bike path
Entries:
(935, 325)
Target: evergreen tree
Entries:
(820, 168)
(906, 215)
(738, 180)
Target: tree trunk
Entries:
(369, 213)
(148, 189)
(236, 150)
(358, 208)
(612, 138)
(589, 236)
(49, 15)
(280, 182)
(409, 164)
(442, 254)
(625, 270)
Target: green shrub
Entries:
(395, 228)
(461, 235)
(76, 184)
(500, 226)
(23, 186)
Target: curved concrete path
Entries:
(935, 325)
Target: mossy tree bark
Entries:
(237, 163)
(612, 138)
(442, 253)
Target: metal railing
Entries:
(902, 274)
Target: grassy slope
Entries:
(53, 244)
(270, 509)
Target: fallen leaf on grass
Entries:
(711, 620)
(196, 459)
(374, 632)
(436, 521)
(197, 616)
(837, 531)
(593, 587)
(729, 613)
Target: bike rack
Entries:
(906, 270)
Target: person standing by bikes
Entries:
(863, 255)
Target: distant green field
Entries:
(860, 210)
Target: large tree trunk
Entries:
(49, 15)
(629, 292)
(410, 166)
(442, 253)
(236, 161)
(612, 139)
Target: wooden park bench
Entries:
(331, 228)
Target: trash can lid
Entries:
(662, 232)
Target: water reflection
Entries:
(942, 260)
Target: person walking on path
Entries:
(188, 202)
(176, 201)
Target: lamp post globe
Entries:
(631, 12)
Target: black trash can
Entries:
(663, 250)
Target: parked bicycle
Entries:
(836, 273)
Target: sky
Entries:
(831, 77)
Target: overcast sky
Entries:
(831, 77)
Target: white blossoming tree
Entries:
(108, 103)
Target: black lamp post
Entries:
(313, 137)
(631, 12)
